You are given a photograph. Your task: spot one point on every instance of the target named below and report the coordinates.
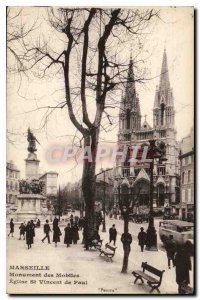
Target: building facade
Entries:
(105, 189)
(187, 177)
(132, 132)
(50, 189)
(12, 183)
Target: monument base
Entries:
(30, 207)
(25, 217)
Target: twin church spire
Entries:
(163, 111)
(130, 105)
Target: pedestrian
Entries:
(68, 235)
(76, 218)
(170, 246)
(47, 229)
(55, 222)
(142, 238)
(38, 223)
(22, 231)
(75, 235)
(11, 227)
(33, 228)
(80, 223)
(56, 234)
(71, 220)
(113, 234)
(183, 266)
(29, 234)
(126, 240)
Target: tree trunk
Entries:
(125, 260)
(89, 186)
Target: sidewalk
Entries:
(95, 274)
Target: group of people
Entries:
(25, 231)
(71, 234)
(179, 255)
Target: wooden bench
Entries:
(96, 244)
(153, 282)
(108, 252)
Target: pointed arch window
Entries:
(128, 156)
(128, 119)
(162, 107)
(183, 178)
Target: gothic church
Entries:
(133, 132)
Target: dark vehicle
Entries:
(168, 217)
(138, 219)
(182, 232)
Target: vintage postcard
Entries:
(100, 150)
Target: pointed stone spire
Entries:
(164, 76)
(156, 101)
(130, 87)
(164, 101)
(130, 116)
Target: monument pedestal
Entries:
(31, 202)
(30, 208)
(32, 166)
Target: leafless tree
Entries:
(84, 48)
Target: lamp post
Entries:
(104, 197)
(59, 203)
(104, 203)
(155, 151)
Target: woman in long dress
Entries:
(68, 235)
(183, 267)
(11, 227)
(56, 234)
(29, 235)
(75, 235)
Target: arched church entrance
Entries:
(160, 194)
(141, 190)
(125, 193)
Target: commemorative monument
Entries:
(31, 196)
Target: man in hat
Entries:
(142, 238)
(113, 234)
(47, 229)
(171, 248)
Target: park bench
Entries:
(95, 244)
(153, 282)
(108, 252)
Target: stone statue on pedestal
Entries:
(32, 142)
(31, 199)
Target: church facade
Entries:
(132, 132)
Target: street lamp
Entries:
(104, 197)
(155, 151)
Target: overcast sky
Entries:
(174, 32)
